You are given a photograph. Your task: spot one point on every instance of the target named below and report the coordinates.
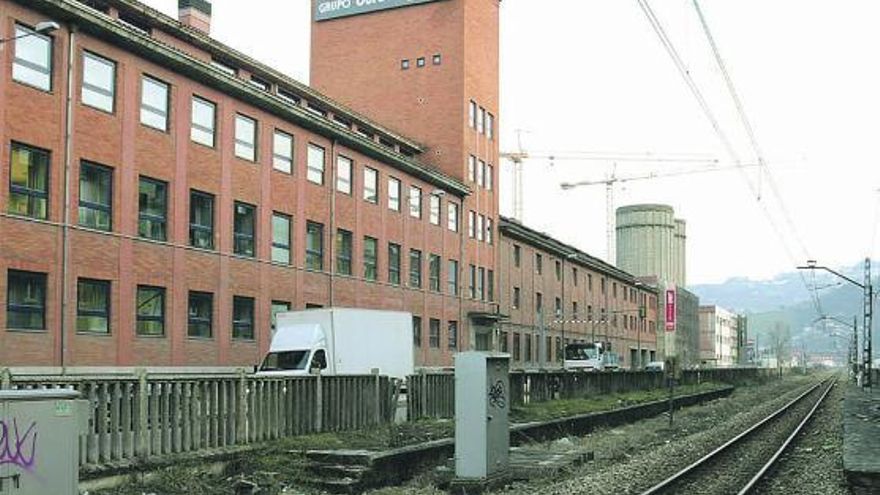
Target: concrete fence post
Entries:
(319, 403)
(377, 396)
(241, 424)
(141, 426)
(5, 379)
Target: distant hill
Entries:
(784, 299)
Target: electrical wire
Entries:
(725, 140)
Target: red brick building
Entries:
(163, 195)
(555, 294)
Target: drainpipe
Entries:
(333, 179)
(65, 220)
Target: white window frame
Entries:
(394, 194)
(244, 149)
(282, 155)
(315, 174)
(452, 216)
(93, 95)
(344, 169)
(415, 201)
(371, 185)
(435, 209)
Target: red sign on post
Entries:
(670, 310)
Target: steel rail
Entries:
(675, 478)
(770, 463)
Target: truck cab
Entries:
(584, 356)
(296, 350)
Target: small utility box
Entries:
(39, 441)
(482, 406)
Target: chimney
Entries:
(195, 14)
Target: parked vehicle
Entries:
(341, 341)
(590, 357)
(655, 366)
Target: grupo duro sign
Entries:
(331, 9)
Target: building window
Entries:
(95, 196)
(154, 103)
(558, 270)
(434, 333)
(434, 213)
(472, 281)
(281, 238)
(452, 277)
(282, 152)
(490, 285)
(539, 263)
(516, 298)
(371, 185)
(490, 232)
(452, 216)
(315, 172)
(277, 307)
(434, 273)
(490, 125)
(574, 276)
(481, 227)
(420, 62)
(394, 264)
(415, 202)
(481, 173)
(371, 258)
(517, 255)
(98, 82)
(517, 349)
(150, 311)
(415, 268)
(502, 337)
(453, 334)
(204, 120)
(33, 58)
(152, 209)
(29, 182)
(343, 174)
(314, 246)
(201, 220)
(528, 353)
(200, 315)
(404, 64)
(539, 303)
(481, 283)
(92, 306)
(472, 224)
(393, 194)
(574, 311)
(417, 330)
(243, 318)
(437, 59)
(245, 138)
(25, 300)
(244, 229)
(472, 168)
(472, 114)
(590, 282)
(343, 252)
(558, 308)
(490, 176)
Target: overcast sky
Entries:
(591, 75)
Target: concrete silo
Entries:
(646, 242)
(680, 253)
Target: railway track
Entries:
(741, 463)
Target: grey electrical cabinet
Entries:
(482, 405)
(39, 441)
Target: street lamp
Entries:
(44, 27)
(867, 327)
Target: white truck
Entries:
(341, 341)
(590, 357)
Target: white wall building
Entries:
(717, 336)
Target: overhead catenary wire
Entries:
(667, 44)
(753, 140)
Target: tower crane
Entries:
(613, 179)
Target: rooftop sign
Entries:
(332, 9)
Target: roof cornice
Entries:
(99, 25)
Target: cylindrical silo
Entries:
(681, 252)
(646, 241)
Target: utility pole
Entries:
(868, 325)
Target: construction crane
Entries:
(613, 179)
(518, 157)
